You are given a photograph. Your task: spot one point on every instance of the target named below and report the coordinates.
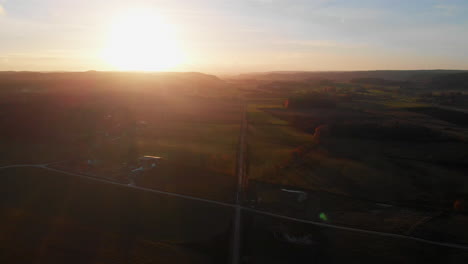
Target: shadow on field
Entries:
(48, 217)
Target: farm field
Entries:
(266, 239)
(111, 126)
(363, 149)
(376, 158)
(365, 156)
(48, 216)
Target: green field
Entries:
(271, 142)
(194, 128)
(368, 147)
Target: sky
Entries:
(234, 36)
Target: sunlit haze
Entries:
(233, 36)
(141, 41)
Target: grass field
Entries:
(50, 217)
(266, 241)
(271, 143)
(367, 155)
(210, 145)
(371, 157)
(196, 134)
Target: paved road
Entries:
(24, 166)
(108, 181)
(451, 108)
(44, 165)
(236, 236)
(239, 208)
(236, 206)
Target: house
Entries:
(276, 195)
(300, 196)
(146, 163)
(149, 162)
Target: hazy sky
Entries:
(245, 35)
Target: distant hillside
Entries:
(377, 81)
(107, 80)
(456, 81)
(413, 75)
(104, 74)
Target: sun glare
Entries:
(141, 41)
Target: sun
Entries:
(141, 41)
